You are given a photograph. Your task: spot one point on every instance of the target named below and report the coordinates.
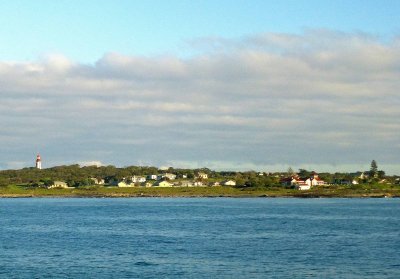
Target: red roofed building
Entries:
(303, 183)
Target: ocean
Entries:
(199, 238)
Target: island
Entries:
(148, 181)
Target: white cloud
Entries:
(91, 163)
(319, 97)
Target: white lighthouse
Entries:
(38, 162)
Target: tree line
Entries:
(75, 175)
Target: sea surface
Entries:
(199, 238)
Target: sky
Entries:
(262, 85)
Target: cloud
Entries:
(91, 163)
(321, 97)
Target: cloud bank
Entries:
(321, 97)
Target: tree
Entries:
(381, 174)
(304, 173)
(374, 169)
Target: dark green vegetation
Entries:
(29, 182)
(77, 176)
(374, 190)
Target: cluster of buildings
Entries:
(164, 180)
(303, 183)
(151, 180)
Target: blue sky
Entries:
(85, 30)
(221, 84)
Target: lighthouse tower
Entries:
(38, 162)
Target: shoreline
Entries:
(310, 196)
(200, 192)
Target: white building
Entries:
(97, 181)
(123, 184)
(152, 177)
(202, 175)
(229, 183)
(59, 184)
(198, 183)
(169, 176)
(38, 162)
(314, 180)
(163, 184)
(138, 179)
(302, 187)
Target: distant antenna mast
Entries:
(38, 162)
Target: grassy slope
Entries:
(331, 191)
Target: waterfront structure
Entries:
(38, 162)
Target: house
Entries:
(303, 183)
(314, 180)
(152, 177)
(97, 181)
(163, 183)
(292, 181)
(112, 181)
(146, 184)
(229, 183)
(364, 175)
(125, 183)
(198, 183)
(297, 182)
(202, 175)
(138, 179)
(287, 181)
(168, 176)
(342, 182)
(59, 184)
(302, 186)
(186, 183)
(215, 184)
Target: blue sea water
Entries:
(199, 238)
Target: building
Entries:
(198, 183)
(138, 179)
(38, 162)
(59, 184)
(202, 175)
(168, 176)
(302, 186)
(186, 183)
(229, 183)
(314, 180)
(163, 184)
(97, 181)
(125, 183)
(303, 183)
(152, 177)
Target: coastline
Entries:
(198, 192)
